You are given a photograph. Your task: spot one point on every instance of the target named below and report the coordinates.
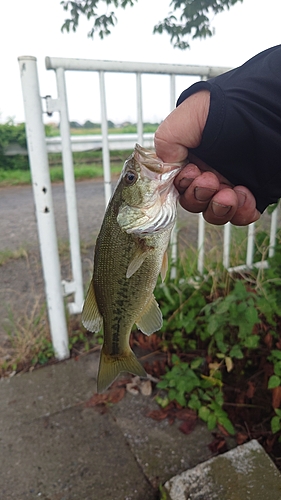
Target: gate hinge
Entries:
(51, 105)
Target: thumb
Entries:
(183, 128)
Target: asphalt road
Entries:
(18, 226)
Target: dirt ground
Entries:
(21, 278)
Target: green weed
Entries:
(217, 329)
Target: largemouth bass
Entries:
(130, 253)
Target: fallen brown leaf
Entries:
(187, 426)
(241, 438)
(251, 390)
(218, 445)
(276, 397)
(157, 414)
(223, 430)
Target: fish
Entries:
(130, 253)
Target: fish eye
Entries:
(130, 178)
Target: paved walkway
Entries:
(54, 447)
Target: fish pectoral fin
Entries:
(91, 317)
(151, 319)
(136, 262)
(164, 267)
(111, 366)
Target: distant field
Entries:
(126, 129)
(87, 164)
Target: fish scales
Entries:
(129, 254)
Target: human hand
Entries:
(201, 188)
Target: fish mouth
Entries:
(158, 212)
(147, 158)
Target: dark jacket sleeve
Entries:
(242, 136)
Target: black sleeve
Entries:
(242, 136)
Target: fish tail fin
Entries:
(110, 367)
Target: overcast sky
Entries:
(32, 27)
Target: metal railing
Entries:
(38, 148)
(87, 143)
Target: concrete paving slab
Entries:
(48, 390)
(160, 448)
(73, 454)
(244, 473)
(53, 447)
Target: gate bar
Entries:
(41, 185)
(105, 142)
(76, 286)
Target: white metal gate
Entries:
(37, 150)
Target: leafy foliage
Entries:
(11, 133)
(187, 18)
(219, 332)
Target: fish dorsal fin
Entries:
(164, 267)
(91, 317)
(151, 319)
(136, 262)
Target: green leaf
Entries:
(273, 382)
(180, 398)
(252, 315)
(275, 425)
(236, 352)
(204, 413)
(277, 368)
(196, 363)
(276, 353)
(194, 403)
(211, 421)
(163, 384)
(252, 342)
(225, 422)
(175, 359)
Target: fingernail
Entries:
(204, 194)
(185, 182)
(241, 198)
(220, 210)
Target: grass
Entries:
(87, 165)
(28, 336)
(81, 172)
(7, 255)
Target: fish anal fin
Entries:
(91, 317)
(136, 262)
(111, 366)
(151, 319)
(164, 267)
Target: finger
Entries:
(222, 207)
(199, 193)
(246, 212)
(186, 177)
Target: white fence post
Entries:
(139, 109)
(201, 242)
(226, 245)
(43, 204)
(105, 143)
(273, 231)
(76, 286)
